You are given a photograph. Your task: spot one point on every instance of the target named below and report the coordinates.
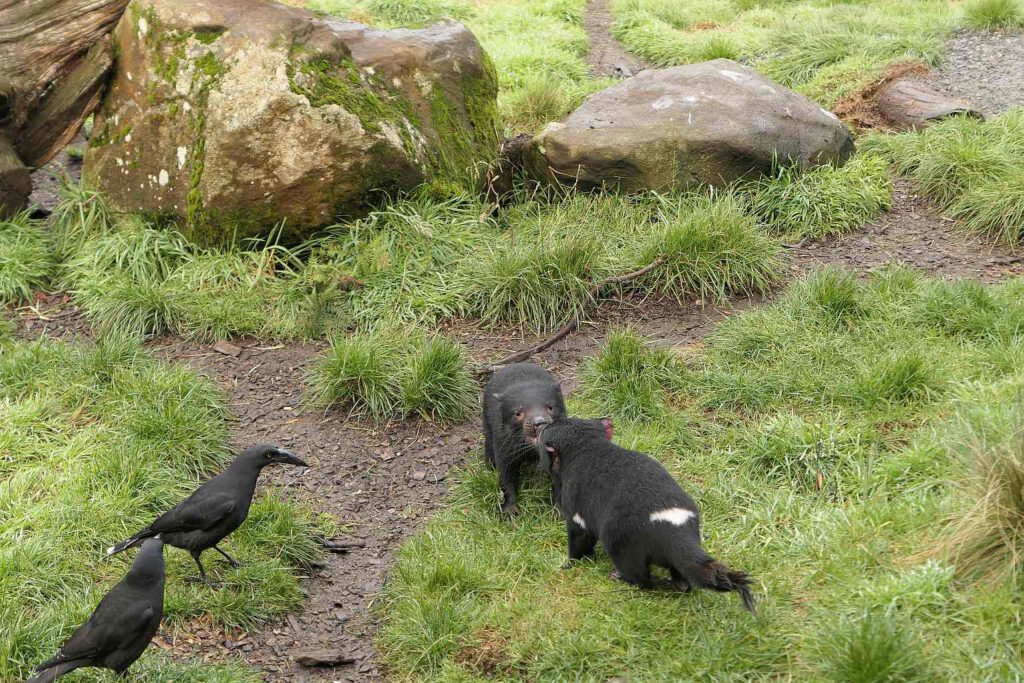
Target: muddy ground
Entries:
(382, 481)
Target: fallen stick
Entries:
(342, 546)
(569, 327)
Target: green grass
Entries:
(822, 48)
(94, 443)
(27, 260)
(417, 261)
(130, 275)
(394, 372)
(972, 168)
(826, 200)
(994, 13)
(832, 440)
(713, 248)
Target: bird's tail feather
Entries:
(135, 540)
(54, 672)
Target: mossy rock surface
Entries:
(674, 129)
(229, 118)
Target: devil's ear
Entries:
(609, 430)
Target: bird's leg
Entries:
(232, 561)
(202, 572)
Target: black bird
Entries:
(217, 508)
(122, 625)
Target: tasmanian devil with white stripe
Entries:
(629, 502)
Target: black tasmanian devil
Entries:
(518, 399)
(629, 502)
(122, 624)
(217, 508)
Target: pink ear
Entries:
(608, 429)
(550, 449)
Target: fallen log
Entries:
(54, 58)
(909, 104)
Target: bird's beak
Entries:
(290, 458)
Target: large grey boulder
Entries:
(228, 117)
(671, 129)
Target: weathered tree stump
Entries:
(54, 56)
(908, 104)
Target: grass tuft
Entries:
(627, 378)
(436, 384)
(994, 13)
(971, 168)
(826, 200)
(27, 259)
(985, 538)
(541, 285)
(873, 648)
(388, 373)
(713, 249)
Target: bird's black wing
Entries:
(195, 513)
(116, 620)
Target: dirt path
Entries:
(607, 56)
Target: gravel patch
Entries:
(985, 68)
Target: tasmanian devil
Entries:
(122, 624)
(629, 502)
(518, 399)
(215, 509)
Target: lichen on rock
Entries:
(235, 118)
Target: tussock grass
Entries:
(812, 434)
(826, 200)
(94, 443)
(713, 249)
(627, 379)
(544, 285)
(874, 648)
(972, 168)
(408, 256)
(27, 259)
(822, 48)
(392, 372)
(985, 538)
(994, 13)
(417, 261)
(128, 275)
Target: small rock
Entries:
(311, 658)
(227, 348)
(419, 475)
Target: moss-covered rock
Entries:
(228, 118)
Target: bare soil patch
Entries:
(607, 56)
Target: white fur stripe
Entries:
(677, 516)
(579, 520)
